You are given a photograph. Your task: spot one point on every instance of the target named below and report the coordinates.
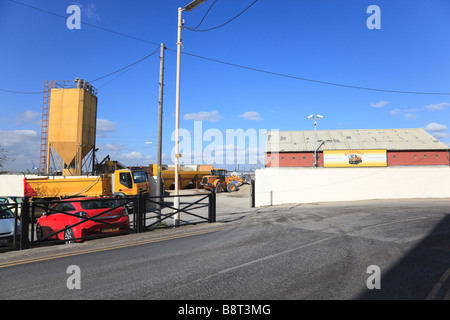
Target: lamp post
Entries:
(188, 7)
(317, 117)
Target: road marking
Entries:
(137, 243)
(392, 222)
(273, 255)
(438, 286)
(257, 260)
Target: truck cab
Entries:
(126, 182)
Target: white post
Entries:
(177, 120)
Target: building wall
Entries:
(293, 159)
(274, 186)
(417, 158)
(394, 158)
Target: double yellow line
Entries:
(125, 245)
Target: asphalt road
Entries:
(314, 251)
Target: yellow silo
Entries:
(72, 125)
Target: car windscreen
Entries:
(139, 176)
(99, 204)
(5, 213)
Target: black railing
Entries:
(165, 208)
(145, 213)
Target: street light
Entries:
(193, 5)
(318, 117)
(188, 7)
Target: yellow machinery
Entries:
(187, 174)
(71, 127)
(220, 182)
(123, 182)
(67, 139)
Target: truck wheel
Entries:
(231, 187)
(219, 188)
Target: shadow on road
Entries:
(424, 273)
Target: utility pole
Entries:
(159, 184)
(176, 199)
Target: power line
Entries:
(99, 78)
(22, 92)
(91, 25)
(194, 29)
(131, 64)
(204, 15)
(310, 80)
(118, 76)
(85, 23)
(228, 63)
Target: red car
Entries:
(73, 216)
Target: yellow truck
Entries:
(122, 182)
(188, 174)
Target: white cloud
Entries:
(133, 155)
(104, 126)
(134, 158)
(22, 147)
(211, 116)
(111, 147)
(438, 106)
(440, 135)
(125, 156)
(12, 138)
(410, 116)
(435, 127)
(437, 130)
(148, 144)
(251, 115)
(379, 104)
(28, 116)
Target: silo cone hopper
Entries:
(72, 126)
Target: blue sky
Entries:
(324, 40)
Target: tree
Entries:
(3, 158)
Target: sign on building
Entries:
(354, 158)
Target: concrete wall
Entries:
(306, 185)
